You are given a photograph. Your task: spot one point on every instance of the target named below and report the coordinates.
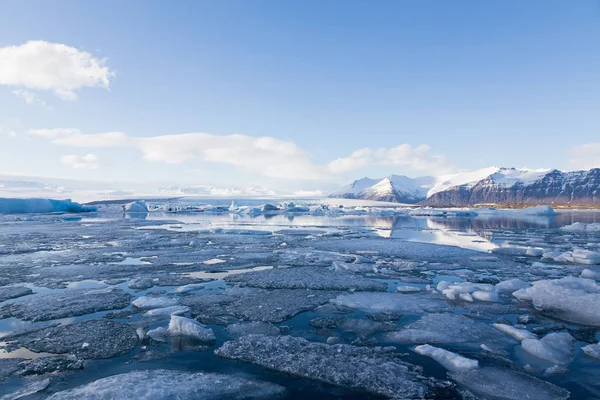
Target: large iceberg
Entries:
(24, 206)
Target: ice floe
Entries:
(377, 370)
(391, 302)
(497, 383)
(446, 328)
(316, 278)
(592, 350)
(66, 303)
(95, 339)
(163, 384)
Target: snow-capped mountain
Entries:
(516, 186)
(393, 188)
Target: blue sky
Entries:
(507, 83)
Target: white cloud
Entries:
(89, 161)
(586, 156)
(40, 65)
(30, 97)
(417, 159)
(267, 156)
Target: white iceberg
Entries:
(147, 303)
(136, 207)
(181, 326)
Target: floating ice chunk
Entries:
(181, 326)
(592, 350)
(555, 370)
(51, 364)
(512, 285)
(167, 311)
(360, 267)
(408, 289)
(170, 384)
(582, 227)
(466, 297)
(534, 252)
(159, 334)
(358, 259)
(390, 302)
(477, 291)
(577, 256)
(24, 206)
(591, 274)
(554, 347)
(449, 360)
(519, 334)
(146, 302)
(482, 295)
(136, 207)
(377, 370)
(190, 288)
(570, 299)
(446, 328)
(29, 389)
(496, 383)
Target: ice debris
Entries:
(147, 303)
(390, 302)
(592, 350)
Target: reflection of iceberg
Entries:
(435, 231)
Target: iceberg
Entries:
(136, 207)
(27, 206)
(181, 326)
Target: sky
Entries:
(296, 95)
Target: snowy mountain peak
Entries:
(393, 188)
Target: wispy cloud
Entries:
(40, 65)
(30, 97)
(267, 156)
